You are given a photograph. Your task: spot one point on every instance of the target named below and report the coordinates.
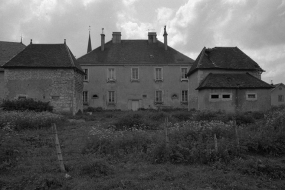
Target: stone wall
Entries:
(56, 86)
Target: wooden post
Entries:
(216, 143)
(58, 150)
(166, 133)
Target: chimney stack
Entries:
(31, 42)
(116, 37)
(102, 40)
(165, 38)
(64, 41)
(151, 37)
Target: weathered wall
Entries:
(274, 95)
(78, 86)
(238, 101)
(126, 90)
(54, 85)
(1, 85)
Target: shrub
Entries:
(97, 168)
(182, 116)
(92, 109)
(16, 120)
(26, 104)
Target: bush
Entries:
(92, 109)
(97, 168)
(16, 120)
(26, 104)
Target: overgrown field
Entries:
(169, 149)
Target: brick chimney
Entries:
(102, 40)
(116, 37)
(151, 37)
(165, 38)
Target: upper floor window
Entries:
(135, 74)
(280, 98)
(214, 97)
(183, 73)
(111, 74)
(86, 76)
(158, 96)
(158, 74)
(184, 97)
(85, 97)
(111, 97)
(251, 96)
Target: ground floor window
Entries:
(158, 96)
(85, 96)
(184, 97)
(280, 98)
(251, 96)
(111, 96)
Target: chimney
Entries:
(64, 41)
(116, 37)
(165, 38)
(31, 41)
(151, 37)
(102, 40)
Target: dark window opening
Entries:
(226, 96)
(95, 96)
(214, 96)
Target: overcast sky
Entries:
(257, 27)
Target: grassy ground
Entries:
(30, 162)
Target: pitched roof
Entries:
(275, 86)
(9, 50)
(44, 56)
(230, 58)
(232, 81)
(134, 52)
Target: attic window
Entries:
(174, 96)
(95, 96)
(144, 96)
(251, 96)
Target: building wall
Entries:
(197, 77)
(238, 101)
(1, 85)
(127, 91)
(78, 86)
(54, 85)
(280, 90)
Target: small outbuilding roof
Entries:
(232, 81)
(227, 58)
(44, 56)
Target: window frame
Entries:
(183, 96)
(226, 99)
(155, 74)
(86, 76)
(251, 99)
(113, 99)
(280, 98)
(111, 77)
(138, 75)
(211, 99)
(156, 98)
(184, 78)
(85, 101)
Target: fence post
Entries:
(166, 133)
(237, 136)
(216, 143)
(58, 150)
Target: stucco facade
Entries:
(278, 95)
(1, 85)
(61, 87)
(130, 92)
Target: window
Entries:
(227, 96)
(111, 97)
(135, 73)
(111, 74)
(183, 73)
(158, 96)
(214, 97)
(184, 97)
(85, 97)
(158, 74)
(251, 96)
(86, 76)
(280, 98)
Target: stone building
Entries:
(278, 94)
(133, 74)
(7, 51)
(225, 78)
(46, 72)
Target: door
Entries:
(135, 105)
